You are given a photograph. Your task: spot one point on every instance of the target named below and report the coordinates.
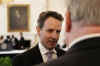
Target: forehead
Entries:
(52, 23)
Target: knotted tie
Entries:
(49, 56)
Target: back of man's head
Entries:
(87, 10)
(83, 18)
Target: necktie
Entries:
(49, 56)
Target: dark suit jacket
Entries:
(32, 57)
(83, 53)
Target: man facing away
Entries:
(48, 29)
(82, 34)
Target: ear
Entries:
(38, 30)
(68, 22)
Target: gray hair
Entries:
(86, 10)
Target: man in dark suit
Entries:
(49, 27)
(82, 35)
(8, 42)
(14, 42)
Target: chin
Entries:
(52, 47)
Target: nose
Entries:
(55, 35)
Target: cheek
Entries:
(44, 36)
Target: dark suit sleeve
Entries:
(17, 61)
(22, 60)
(57, 62)
(28, 58)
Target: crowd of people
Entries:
(10, 42)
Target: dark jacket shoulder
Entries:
(28, 58)
(60, 52)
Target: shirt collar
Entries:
(82, 38)
(43, 50)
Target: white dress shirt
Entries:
(43, 52)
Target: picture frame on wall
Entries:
(18, 18)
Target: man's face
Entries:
(49, 34)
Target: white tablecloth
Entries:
(13, 51)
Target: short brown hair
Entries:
(45, 15)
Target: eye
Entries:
(50, 30)
(58, 31)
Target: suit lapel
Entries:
(37, 55)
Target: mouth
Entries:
(52, 41)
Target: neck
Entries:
(78, 32)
